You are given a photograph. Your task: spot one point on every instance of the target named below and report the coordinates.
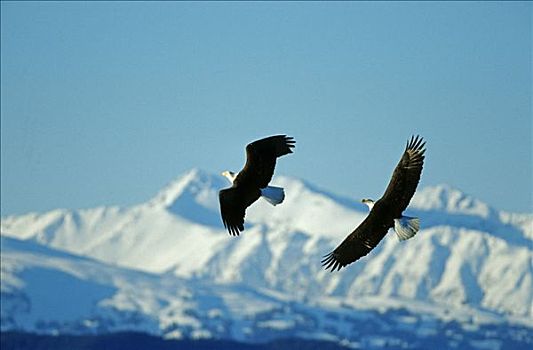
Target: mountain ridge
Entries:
(467, 256)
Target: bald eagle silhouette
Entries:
(386, 212)
(251, 182)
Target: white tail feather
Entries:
(406, 227)
(273, 195)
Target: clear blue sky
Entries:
(103, 103)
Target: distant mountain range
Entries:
(167, 267)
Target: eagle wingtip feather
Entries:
(329, 262)
(416, 143)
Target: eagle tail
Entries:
(273, 195)
(406, 227)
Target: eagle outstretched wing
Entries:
(405, 177)
(261, 158)
(232, 210)
(358, 244)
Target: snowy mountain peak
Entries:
(195, 185)
(449, 199)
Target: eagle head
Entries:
(368, 202)
(230, 175)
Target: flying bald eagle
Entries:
(386, 212)
(252, 181)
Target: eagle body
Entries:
(386, 212)
(252, 181)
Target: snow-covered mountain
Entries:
(168, 267)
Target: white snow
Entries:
(444, 197)
(168, 266)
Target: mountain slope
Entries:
(468, 258)
(52, 292)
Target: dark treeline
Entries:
(141, 341)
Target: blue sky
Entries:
(103, 103)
